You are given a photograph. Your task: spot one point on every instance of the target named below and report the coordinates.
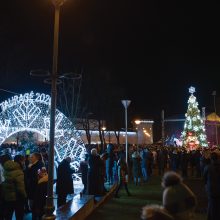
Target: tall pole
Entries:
(49, 209)
(216, 128)
(162, 126)
(126, 103)
(126, 134)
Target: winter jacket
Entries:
(32, 178)
(40, 194)
(13, 188)
(64, 178)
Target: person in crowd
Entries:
(83, 168)
(204, 160)
(150, 161)
(155, 212)
(64, 185)
(212, 182)
(192, 162)
(32, 175)
(123, 177)
(20, 159)
(13, 190)
(178, 199)
(197, 163)
(144, 155)
(27, 161)
(184, 161)
(161, 160)
(136, 161)
(154, 154)
(40, 194)
(115, 171)
(3, 158)
(102, 171)
(174, 160)
(110, 163)
(94, 173)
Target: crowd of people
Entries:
(23, 179)
(173, 164)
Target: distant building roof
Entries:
(213, 117)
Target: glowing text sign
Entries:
(27, 97)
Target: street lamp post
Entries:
(126, 103)
(216, 128)
(49, 209)
(162, 127)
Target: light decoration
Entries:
(31, 112)
(194, 119)
(193, 134)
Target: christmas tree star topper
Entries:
(192, 90)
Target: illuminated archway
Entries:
(31, 112)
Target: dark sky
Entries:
(153, 51)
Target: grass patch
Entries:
(129, 207)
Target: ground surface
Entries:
(129, 208)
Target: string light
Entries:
(31, 112)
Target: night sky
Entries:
(150, 52)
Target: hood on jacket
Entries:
(11, 165)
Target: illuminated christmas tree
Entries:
(193, 135)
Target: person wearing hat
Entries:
(178, 199)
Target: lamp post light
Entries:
(216, 128)
(103, 135)
(49, 209)
(126, 103)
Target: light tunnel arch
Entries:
(24, 129)
(31, 112)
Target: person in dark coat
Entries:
(40, 194)
(94, 174)
(32, 175)
(83, 168)
(64, 185)
(136, 161)
(212, 181)
(184, 160)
